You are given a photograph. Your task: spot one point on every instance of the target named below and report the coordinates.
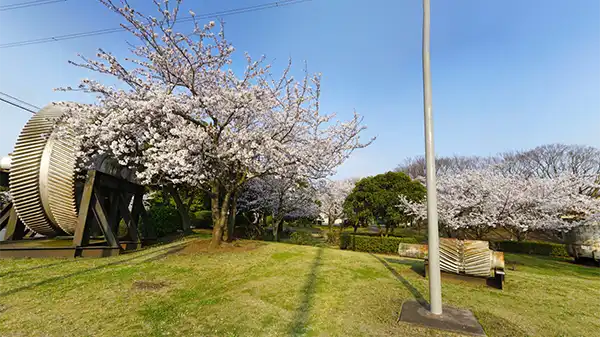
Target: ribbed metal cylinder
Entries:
(471, 257)
(42, 176)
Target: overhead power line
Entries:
(185, 19)
(28, 4)
(17, 105)
(19, 100)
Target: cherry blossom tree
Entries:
(549, 160)
(188, 119)
(331, 196)
(464, 201)
(479, 200)
(282, 197)
(556, 203)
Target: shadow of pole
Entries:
(169, 250)
(414, 291)
(298, 325)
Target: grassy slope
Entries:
(279, 290)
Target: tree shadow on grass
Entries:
(169, 250)
(499, 325)
(12, 272)
(418, 266)
(414, 291)
(298, 325)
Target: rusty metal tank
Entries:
(583, 242)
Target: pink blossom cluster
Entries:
(488, 198)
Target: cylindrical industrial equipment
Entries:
(42, 174)
(583, 241)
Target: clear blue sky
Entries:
(506, 74)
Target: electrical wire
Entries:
(28, 4)
(185, 19)
(19, 100)
(17, 105)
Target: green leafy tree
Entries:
(373, 199)
(188, 201)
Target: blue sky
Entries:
(506, 74)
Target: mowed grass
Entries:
(275, 289)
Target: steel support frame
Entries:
(104, 202)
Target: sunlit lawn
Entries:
(272, 289)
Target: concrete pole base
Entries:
(452, 319)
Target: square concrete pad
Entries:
(451, 319)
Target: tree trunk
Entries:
(483, 233)
(220, 209)
(232, 214)
(521, 236)
(355, 228)
(214, 204)
(165, 195)
(182, 209)
(217, 235)
(330, 222)
(277, 229)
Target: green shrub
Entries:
(122, 229)
(267, 235)
(332, 238)
(165, 219)
(373, 244)
(420, 238)
(302, 238)
(374, 234)
(531, 247)
(202, 219)
(301, 222)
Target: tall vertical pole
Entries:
(435, 283)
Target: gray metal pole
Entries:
(435, 282)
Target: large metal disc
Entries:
(42, 176)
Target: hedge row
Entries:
(373, 244)
(376, 234)
(530, 247)
(420, 238)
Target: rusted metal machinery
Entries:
(584, 242)
(464, 258)
(49, 202)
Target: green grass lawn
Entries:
(275, 289)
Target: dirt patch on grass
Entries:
(202, 246)
(148, 285)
